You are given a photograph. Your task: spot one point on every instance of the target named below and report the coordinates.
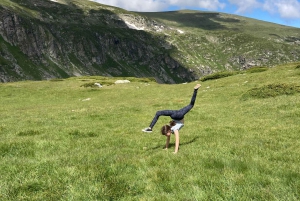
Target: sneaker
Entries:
(147, 130)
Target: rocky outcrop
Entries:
(60, 49)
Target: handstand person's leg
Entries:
(174, 114)
(194, 94)
(180, 113)
(157, 115)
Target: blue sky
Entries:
(285, 12)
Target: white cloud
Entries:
(160, 5)
(245, 5)
(288, 9)
(204, 4)
(269, 6)
(136, 5)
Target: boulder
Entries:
(122, 81)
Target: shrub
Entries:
(92, 84)
(218, 75)
(298, 67)
(272, 90)
(257, 69)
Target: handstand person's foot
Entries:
(197, 86)
(147, 130)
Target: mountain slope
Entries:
(209, 41)
(43, 39)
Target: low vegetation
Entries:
(223, 74)
(110, 81)
(257, 69)
(61, 141)
(218, 75)
(272, 90)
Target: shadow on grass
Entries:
(189, 18)
(173, 144)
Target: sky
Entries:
(285, 12)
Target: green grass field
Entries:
(62, 141)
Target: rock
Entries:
(98, 84)
(122, 81)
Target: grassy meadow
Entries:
(64, 140)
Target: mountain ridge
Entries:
(47, 39)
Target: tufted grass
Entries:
(61, 141)
(272, 90)
(223, 74)
(218, 75)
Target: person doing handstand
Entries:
(177, 121)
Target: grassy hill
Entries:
(65, 140)
(213, 41)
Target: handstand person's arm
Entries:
(176, 132)
(167, 142)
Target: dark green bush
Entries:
(257, 69)
(272, 90)
(297, 67)
(218, 75)
(90, 84)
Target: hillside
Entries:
(60, 140)
(207, 41)
(43, 39)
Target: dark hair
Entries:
(167, 128)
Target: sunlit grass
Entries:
(61, 141)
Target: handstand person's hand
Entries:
(197, 86)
